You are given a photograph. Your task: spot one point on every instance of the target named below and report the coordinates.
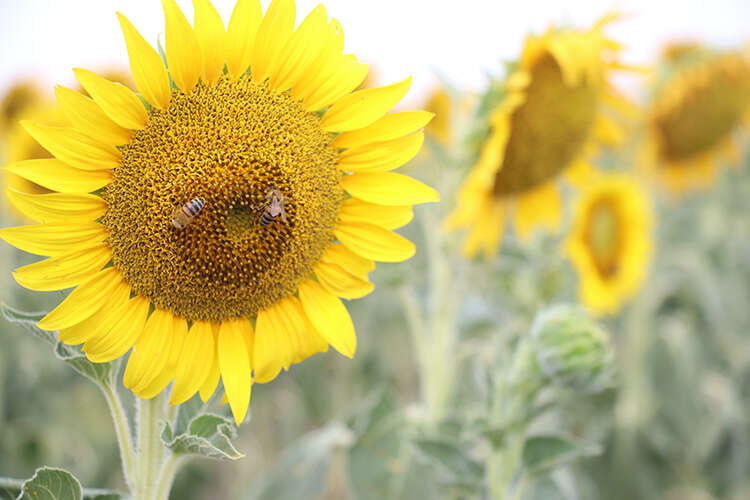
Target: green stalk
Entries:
(122, 430)
(150, 449)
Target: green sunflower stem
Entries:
(156, 467)
(122, 430)
(434, 333)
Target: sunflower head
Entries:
(699, 98)
(610, 242)
(542, 121)
(215, 220)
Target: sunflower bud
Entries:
(572, 349)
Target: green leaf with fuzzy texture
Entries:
(51, 484)
(207, 435)
(101, 373)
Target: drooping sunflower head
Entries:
(700, 97)
(544, 120)
(231, 212)
(610, 242)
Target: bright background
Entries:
(462, 40)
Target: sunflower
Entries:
(440, 103)
(541, 122)
(260, 125)
(24, 100)
(700, 98)
(610, 242)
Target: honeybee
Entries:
(274, 208)
(184, 216)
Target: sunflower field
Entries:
(191, 306)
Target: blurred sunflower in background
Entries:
(440, 103)
(24, 100)
(539, 124)
(700, 98)
(237, 199)
(610, 242)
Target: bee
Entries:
(274, 208)
(184, 216)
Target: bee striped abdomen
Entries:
(184, 215)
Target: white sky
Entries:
(463, 40)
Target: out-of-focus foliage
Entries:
(469, 382)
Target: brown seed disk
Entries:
(715, 97)
(229, 144)
(548, 130)
(604, 235)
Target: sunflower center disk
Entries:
(231, 144)
(713, 104)
(548, 131)
(603, 236)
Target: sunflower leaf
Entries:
(302, 469)
(52, 484)
(207, 435)
(27, 320)
(101, 373)
(541, 453)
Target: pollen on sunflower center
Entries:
(603, 236)
(230, 144)
(547, 131)
(715, 98)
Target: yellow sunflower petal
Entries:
(235, 366)
(243, 27)
(541, 207)
(211, 35)
(326, 64)
(117, 101)
(146, 65)
(58, 207)
(389, 127)
(74, 148)
(340, 282)
(182, 48)
(179, 332)
(53, 174)
(88, 117)
(329, 317)
(301, 51)
(363, 107)
(387, 188)
(389, 217)
(306, 341)
(101, 321)
(65, 271)
(123, 335)
(340, 255)
(148, 357)
(374, 242)
(54, 239)
(272, 349)
(382, 156)
(214, 374)
(195, 362)
(347, 77)
(274, 32)
(82, 302)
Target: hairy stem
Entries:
(123, 432)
